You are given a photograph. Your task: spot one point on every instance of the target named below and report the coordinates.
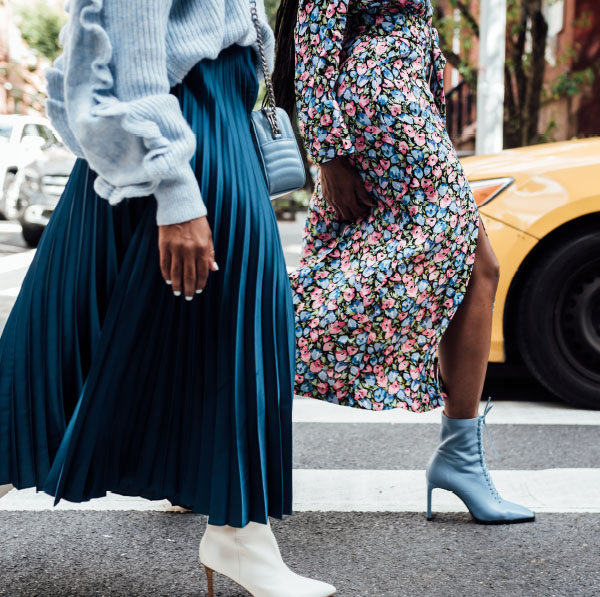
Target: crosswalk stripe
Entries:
(10, 292)
(550, 490)
(17, 261)
(505, 412)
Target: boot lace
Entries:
(483, 425)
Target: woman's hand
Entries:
(344, 189)
(187, 256)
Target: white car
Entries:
(22, 138)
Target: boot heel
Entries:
(209, 580)
(429, 492)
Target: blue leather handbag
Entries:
(274, 136)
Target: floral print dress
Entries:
(373, 297)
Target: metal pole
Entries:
(490, 82)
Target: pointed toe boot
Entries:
(250, 557)
(458, 465)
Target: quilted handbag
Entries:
(274, 136)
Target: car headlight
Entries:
(485, 190)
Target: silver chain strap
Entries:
(269, 110)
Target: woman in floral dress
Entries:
(391, 239)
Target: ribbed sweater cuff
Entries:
(179, 199)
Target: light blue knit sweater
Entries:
(109, 91)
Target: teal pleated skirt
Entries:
(108, 382)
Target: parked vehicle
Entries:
(21, 140)
(541, 209)
(41, 185)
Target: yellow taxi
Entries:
(541, 208)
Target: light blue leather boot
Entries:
(458, 465)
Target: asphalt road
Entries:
(359, 504)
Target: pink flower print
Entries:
(328, 346)
(299, 379)
(381, 47)
(377, 405)
(407, 346)
(322, 387)
(416, 405)
(361, 393)
(420, 139)
(359, 144)
(341, 355)
(446, 200)
(408, 130)
(395, 109)
(349, 294)
(382, 380)
(314, 323)
(316, 303)
(326, 120)
(314, 335)
(320, 90)
(316, 366)
(432, 160)
(394, 387)
(336, 327)
(364, 101)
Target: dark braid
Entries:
(285, 56)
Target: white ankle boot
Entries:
(250, 557)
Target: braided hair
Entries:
(285, 56)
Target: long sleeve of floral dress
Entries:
(319, 35)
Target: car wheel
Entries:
(32, 234)
(558, 322)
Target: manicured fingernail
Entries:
(177, 292)
(215, 266)
(169, 282)
(189, 298)
(199, 291)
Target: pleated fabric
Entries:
(110, 383)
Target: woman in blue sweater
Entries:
(151, 351)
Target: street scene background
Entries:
(358, 476)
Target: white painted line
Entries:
(10, 292)
(30, 500)
(309, 410)
(551, 490)
(15, 262)
(10, 227)
(297, 249)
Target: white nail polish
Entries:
(189, 298)
(169, 282)
(215, 266)
(199, 291)
(177, 292)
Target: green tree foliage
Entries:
(40, 25)
(526, 40)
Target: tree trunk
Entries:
(539, 33)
